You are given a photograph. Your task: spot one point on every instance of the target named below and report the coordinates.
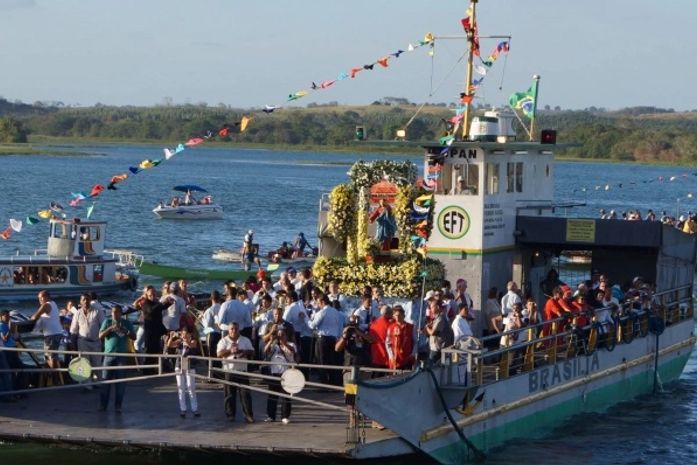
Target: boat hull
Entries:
(531, 403)
(190, 212)
(175, 272)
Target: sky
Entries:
(602, 53)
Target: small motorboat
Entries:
(188, 207)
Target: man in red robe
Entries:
(400, 341)
(378, 331)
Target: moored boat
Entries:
(73, 263)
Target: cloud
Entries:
(16, 4)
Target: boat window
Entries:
(43, 275)
(464, 179)
(514, 173)
(60, 230)
(492, 178)
(98, 273)
(89, 233)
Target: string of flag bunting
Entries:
(77, 199)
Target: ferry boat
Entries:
(504, 225)
(188, 208)
(74, 262)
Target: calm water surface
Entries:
(277, 195)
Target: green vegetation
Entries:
(644, 134)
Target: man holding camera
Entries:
(233, 347)
(355, 344)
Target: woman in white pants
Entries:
(184, 343)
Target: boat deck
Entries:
(150, 419)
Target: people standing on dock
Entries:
(209, 321)
(233, 347)
(461, 294)
(9, 338)
(328, 324)
(439, 331)
(184, 343)
(153, 329)
(364, 313)
(47, 318)
(378, 333)
(399, 341)
(176, 309)
(335, 294)
(461, 325)
(296, 315)
(115, 332)
(281, 350)
(84, 330)
(235, 311)
(512, 297)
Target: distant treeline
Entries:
(640, 133)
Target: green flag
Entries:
(90, 209)
(526, 101)
(31, 220)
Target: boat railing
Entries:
(137, 367)
(522, 350)
(126, 258)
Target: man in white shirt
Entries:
(234, 311)
(85, 328)
(461, 294)
(328, 324)
(209, 320)
(176, 309)
(335, 295)
(233, 347)
(364, 313)
(509, 299)
(461, 326)
(296, 314)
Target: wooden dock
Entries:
(150, 419)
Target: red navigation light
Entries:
(548, 136)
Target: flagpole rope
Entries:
(519, 120)
(505, 61)
(433, 91)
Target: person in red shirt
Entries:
(400, 341)
(553, 310)
(378, 331)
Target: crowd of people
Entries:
(293, 321)
(686, 223)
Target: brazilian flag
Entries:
(526, 101)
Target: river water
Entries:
(276, 194)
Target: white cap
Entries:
(430, 294)
(250, 232)
(460, 178)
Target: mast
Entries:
(471, 39)
(536, 86)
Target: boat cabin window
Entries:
(514, 172)
(40, 275)
(460, 179)
(89, 233)
(98, 273)
(60, 230)
(492, 178)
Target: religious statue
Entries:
(386, 224)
